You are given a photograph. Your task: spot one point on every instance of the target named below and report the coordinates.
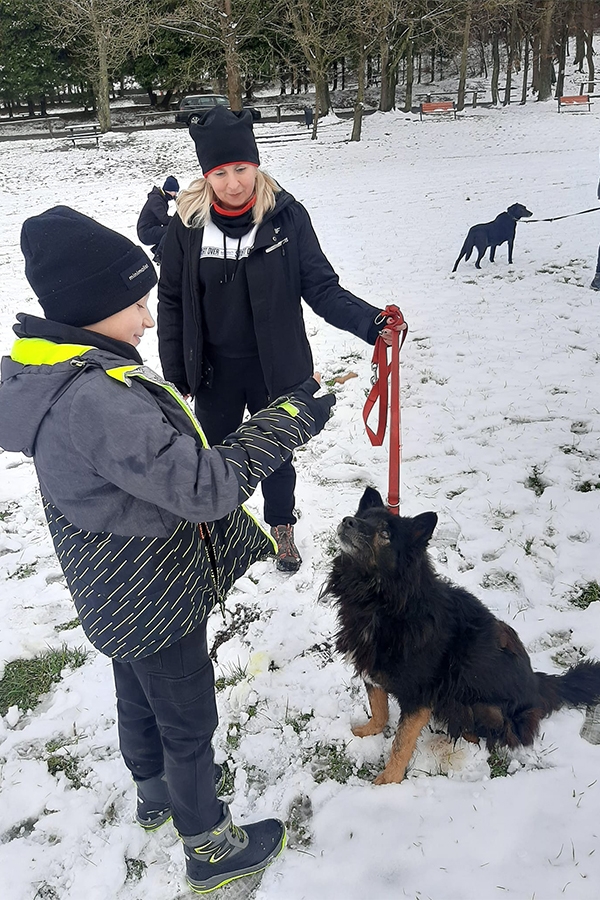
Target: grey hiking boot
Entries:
(227, 852)
(154, 803)
(595, 285)
(288, 557)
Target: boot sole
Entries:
(219, 881)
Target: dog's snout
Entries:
(348, 522)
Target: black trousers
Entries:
(166, 716)
(237, 385)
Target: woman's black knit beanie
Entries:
(81, 271)
(223, 137)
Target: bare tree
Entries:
(99, 34)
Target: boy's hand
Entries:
(319, 407)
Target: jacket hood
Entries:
(45, 359)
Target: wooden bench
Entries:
(83, 132)
(438, 106)
(574, 102)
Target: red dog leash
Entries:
(392, 319)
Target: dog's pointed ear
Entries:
(369, 500)
(423, 527)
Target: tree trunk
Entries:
(512, 40)
(410, 75)
(462, 79)
(525, 70)
(562, 59)
(546, 54)
(232, 63)
(360, 90)
(495, 68)
(589, 38)
(43, 109)
(101, 86)
(323, 97)
(432, 79)
(389, 75)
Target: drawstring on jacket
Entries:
(225, 279)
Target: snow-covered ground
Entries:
(501, 380)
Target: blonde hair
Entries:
(193, 204)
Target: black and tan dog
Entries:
(492, 234)
(434, 646)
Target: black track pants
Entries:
(238, 384)
(167, 715)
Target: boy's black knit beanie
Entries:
(81, 271)
(223, 137)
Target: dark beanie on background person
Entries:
(223, 137)
(171, 184)
(81, 271)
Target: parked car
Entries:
(197, 104)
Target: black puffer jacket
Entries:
(154, 218)
(285, 265)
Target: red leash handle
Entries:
(393, 320)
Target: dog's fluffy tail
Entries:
(466, 250)
(580, 686)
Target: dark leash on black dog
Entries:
(581, 212)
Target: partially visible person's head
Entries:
(171, 187)
(82, 272)
(224, 138)
(227, 152)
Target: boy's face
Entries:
(128, 325)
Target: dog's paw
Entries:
(390, 777)
(368, 729)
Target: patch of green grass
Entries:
(587, 486)
(582, 595)
(234, 674)
(228, 778)
(233, 736)
(68, 626)
(45, 892)
(135, 868)
(7, 510)
(500, 580)
(22, 829)
(23, 572)
(297, 823)
(240, 620)
(70, 765)
(25, 681)
(298, 722)
(527, 546)
(498, 762)
(535, 482)
(568, 656)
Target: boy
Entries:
(145, 518)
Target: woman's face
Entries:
(233, 185)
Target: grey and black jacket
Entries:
(126, 477)
(285, 265)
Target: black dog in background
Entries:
(434, 646)
(492, 234)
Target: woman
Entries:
(239, 256)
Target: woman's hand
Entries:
(386, 335)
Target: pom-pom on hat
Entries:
(223, 137)
(81, 271)
(171, 184)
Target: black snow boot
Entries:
(227, 852)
